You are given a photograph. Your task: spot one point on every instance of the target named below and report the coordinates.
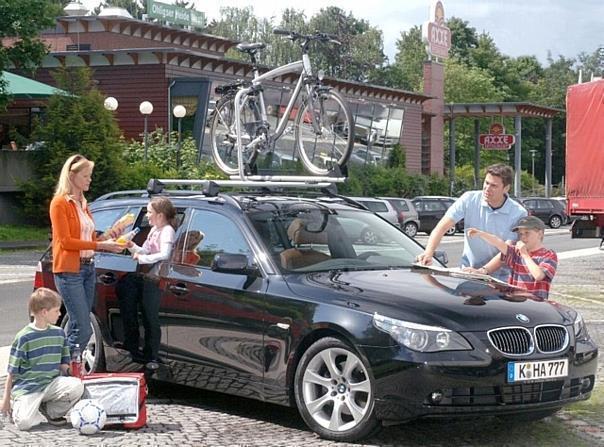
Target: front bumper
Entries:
(469, 382)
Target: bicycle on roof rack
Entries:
(323, 127)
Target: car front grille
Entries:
(551, 339)
(512, 341)
(516, 341)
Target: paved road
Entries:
(186, 417)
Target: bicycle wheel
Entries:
(223, 133)
(321, 151)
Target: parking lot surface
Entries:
(179, 416)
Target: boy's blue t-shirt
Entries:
(477, 213)
(35, 358)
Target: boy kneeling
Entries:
(38, 364)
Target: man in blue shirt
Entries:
(489, 210)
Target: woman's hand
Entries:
(135, 256)
(110, 245)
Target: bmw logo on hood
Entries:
(522, 318)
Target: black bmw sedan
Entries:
(278, 298)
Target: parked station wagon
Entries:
(280, 302)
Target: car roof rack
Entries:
(212, 188)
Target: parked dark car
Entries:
(408, 218)
(431, 209)
(550, 211)
(281, 302)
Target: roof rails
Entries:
(211, 188)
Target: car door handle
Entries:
(108, 278)
(178, 289)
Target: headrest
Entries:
(297, 233)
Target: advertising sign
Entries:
(175, 14)
(435, 33)
(497, 139)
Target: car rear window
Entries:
(376, 207)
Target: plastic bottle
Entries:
(120, 225)
(76, 362)
(127, 237)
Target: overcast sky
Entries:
(519, 27)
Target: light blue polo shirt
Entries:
(476, 213)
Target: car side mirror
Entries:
(236, 264)
(441, 257)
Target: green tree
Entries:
(463, 39)
(409, 59)
(76, 123)
(20, 24)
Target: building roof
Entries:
(485, 109)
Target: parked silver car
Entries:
(408, 218)
(379, 206)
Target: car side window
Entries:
(105, 218)
(545, 204)
(434, 205)
(209, 233)
(403, 205)
(530, 204)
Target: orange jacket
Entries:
(66, 231)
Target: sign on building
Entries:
(175, 14)
(435, 33)
(496, 139)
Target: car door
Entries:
(433, 211)
(214, 319)
(110, 267)
(545, 210)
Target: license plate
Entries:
(528, 371)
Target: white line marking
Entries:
(578, 253)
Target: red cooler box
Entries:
(123, 395)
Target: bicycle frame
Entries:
(305, 69)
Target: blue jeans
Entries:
(77, 291)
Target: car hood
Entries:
(427, 298)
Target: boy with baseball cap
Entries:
(532, 265)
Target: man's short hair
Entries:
(43, 298)
(505, 172)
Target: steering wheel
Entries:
(367, 254)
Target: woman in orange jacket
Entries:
(74, 242)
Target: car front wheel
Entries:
(555, 222)
(334, 391)
(93, 358)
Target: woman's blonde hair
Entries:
(74, 164)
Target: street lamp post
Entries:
(146, 108)
(533, 152)
(179, 112)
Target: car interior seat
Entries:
(299, 256)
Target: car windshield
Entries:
(311, 238)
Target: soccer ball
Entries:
(88, 416)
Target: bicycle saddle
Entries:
(250, 48)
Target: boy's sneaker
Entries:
(58, 422)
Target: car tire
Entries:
(332, 377)
(368, 236)
(410, 229)
(93, 355)
(451, 231)
(555, 221)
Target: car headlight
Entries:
(419, 337)
(580, 328)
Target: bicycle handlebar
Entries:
(293, 35)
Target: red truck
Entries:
(585, 158)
